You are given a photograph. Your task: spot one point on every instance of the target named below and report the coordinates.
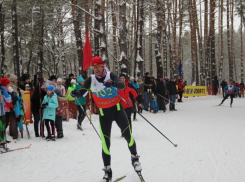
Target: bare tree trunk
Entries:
(138, 53)
(193, 41)
(97, 30)
(180, 48)
(124, 63)
(164, 40)
(221, 41)
(158, 40)
(232, 40)
(206, 43)
(150, 38)
(2, 19)
(79, 44)
(241, 36)
(114, 24)
(212, 39)
(17, 65)
(169, 39)
(229, 42)
(174, 29)
(40, 44)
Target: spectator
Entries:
(161, 90)
(60, 86)
(180, 89)
(147, 90)
(25, 83)
(135, 85)
(223, 85)
(125, 95)
(49, 104)
(140, 92)
(80, 103)
(62, 102)
(242, 88)
(53, 78)
(216, 85)
(68, 81)
(171, 86)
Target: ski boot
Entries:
(48, 137)
(108, 174)
(3, 147)
(60, 135)
(173, 108)
(231, 105)
(52, 138)
(135, 163)
(220, 103)
(79, 127)
(135, 119)
(21, 135)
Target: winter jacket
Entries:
(171, 86)
(63, 104)
(147, 82)
(231, 90)
(71, 88)
(5, 97)
(81, 100)
(135, 84)
(223, 84)
(49, 111)
(63, 90)
(140, 90)
(161, 89)
(180, 86)
(125, 94)
(35, 99)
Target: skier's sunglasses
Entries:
(97, 66)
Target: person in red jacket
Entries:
(128, 92)
(180, 89)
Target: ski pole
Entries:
(88, 117)
(166, 98)
(144, 118)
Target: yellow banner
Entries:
(27, 105)
(195, 91)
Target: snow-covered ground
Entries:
(210, 148)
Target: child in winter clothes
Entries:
(49, 104)
(4, 97)
(15, 117)
(59, 112)
(65, 115)
(80, 102)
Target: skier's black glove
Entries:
(74, 93)
(44, 105)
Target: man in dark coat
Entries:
(171, 86)
(216, 85)
(147, 90)
(223, 85)
(161, 91)
(68, 81)
(25, 83)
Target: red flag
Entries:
(87, 53)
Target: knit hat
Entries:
(140, 78)
(122, 74)
(70, 75)
(45, 85)
(180, 79)
(58, 91)
(59, 80)
(80, 79)
(97, 60)
(51, 88)
(131, 78)
(147, 73)
(73, 81)
(161, 79)
(11, 77)
(4, 81)
(25, 77)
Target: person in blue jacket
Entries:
(80, 102)
(230, 89)
(49, 105)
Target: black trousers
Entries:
(107, 116)
(52, 129)
(81, 114)
(128, 112)
(58, 125)
(180, 95)
(36, 122)
(226, 97)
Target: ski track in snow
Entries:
(210, 148)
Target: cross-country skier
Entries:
(231, 89)
(110, 109)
